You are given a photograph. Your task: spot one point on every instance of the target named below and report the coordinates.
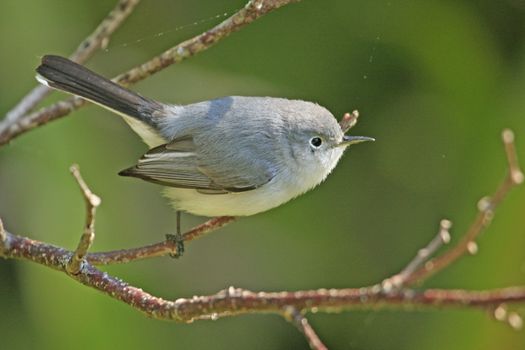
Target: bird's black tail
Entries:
(63, 74)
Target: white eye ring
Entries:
(316, 142)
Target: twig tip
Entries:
(92, 198)
(444, 232)
(446, 224)
(516, 175)
(515, 321)
(349, 120)
(500, 313)
(472, 247)
(95, 200)
(74, 169)
(507, 135)
(485, 204)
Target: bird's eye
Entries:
(316, 142)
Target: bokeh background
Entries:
(435, 82)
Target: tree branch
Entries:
(399, 280)
(86, 240)
(164, 248)
(235, 301)
(96, 40)
(301, 323)
(486, 207)
(251, 11)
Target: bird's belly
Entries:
(230, 204)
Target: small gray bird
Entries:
(231, 156)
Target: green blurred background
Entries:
(435, 82)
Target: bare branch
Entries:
(515, 173)
(164, 248)
(96, 40)
(225, 303)
(99, 39)
(486, 207)
(397, 281)
(26, 105)
(251, 11)
(207, 227)
(301, 323)
(86, 240)
(234, 301)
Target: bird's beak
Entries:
(350, 140)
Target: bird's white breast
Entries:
(246, 203)
(285, 186)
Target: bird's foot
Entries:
(178, 240)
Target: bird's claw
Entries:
(178, 240)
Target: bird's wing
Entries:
(178, 164)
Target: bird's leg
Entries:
(178, 223)
(166, 247)
(177, 238)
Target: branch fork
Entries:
(398, 281)
(86, 240)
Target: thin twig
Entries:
(293, 316)
(486, 207)
(86, 240)
(251, 11)
(26, 105)
(207, 227)
(164, 248)
(515, 172)
(398, 281)
(3, 236)
(234, 301)
(123, 256)
(349, 120)
(98, 39)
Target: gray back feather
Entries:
(229, 144)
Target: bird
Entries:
(229, 156)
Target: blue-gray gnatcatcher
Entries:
(231, 156)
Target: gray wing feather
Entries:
(178, 164)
